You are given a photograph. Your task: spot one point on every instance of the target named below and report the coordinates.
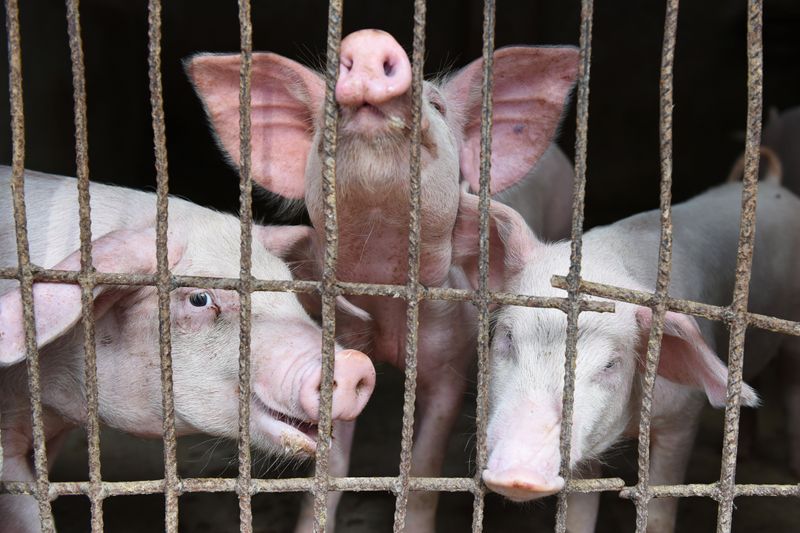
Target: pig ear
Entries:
(688, 360)
(294, 244)
(531, 85)
(285, 96)
(57, 306)
(511, 242)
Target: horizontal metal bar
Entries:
(709, 311)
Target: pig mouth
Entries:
(370, 119)
(295, 436)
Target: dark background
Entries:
(710, 83)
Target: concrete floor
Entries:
(377, 453)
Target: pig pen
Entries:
(766, 493)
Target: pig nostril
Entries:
(361, 387)
(388, 68)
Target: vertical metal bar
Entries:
(23, 254)
(244, 485)
(329, 289)
(664, 264)
(482, 407)
(573, 277)
(87, 270)
(744, 261)
(412, 286)
(163, 277)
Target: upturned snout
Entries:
(353, 383)
(374, 69)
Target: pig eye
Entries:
(200, 299)
(611, 364)
(438, 106)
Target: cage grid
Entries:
(735, 316)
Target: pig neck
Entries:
(373, 237)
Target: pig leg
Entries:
(789, 371)
(338, 464)
(20, 513)
(670, 449)
(582, 507)
(439, 399)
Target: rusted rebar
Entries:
(574, 275)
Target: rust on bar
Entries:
(744, 261)
(328, 288)
(163, 282)
(482, 404)
(23, 255)
(664, 266)
(244, 484)
(413, 288)
(573, 278)
(86, 276)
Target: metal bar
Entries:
(664, 266)
(171, 488)
(573, 278)
(328, 288)
(482, 403)
(711, 312)
(87, 270)
(243, 486)
(24, 261)
(744, 261)
(413, 286)
(304, 484)
(299, 286)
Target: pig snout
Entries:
(374, 69)
(524, 456)
(353, 383)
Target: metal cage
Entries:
(735, 315)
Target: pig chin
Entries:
(292, 436)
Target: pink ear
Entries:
(285, 96)
(511, 242)
(531, 86)
(57, 306)
(688, 360)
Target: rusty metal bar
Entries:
(384, 484)
(413, 286)
(328, 288)
(744, 261)
(482, 404)
(86, 270)
(171, 488)
(573, 277)
(243, 486)
(664, 266)
(24, 261)
(688, 307)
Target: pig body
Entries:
(528, 347)
(285, 347)
(782, 135)
(372, 181)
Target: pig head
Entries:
(285, 347)
(374, 96)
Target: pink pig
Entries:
(373, 92)
(527, 353)
(285, 342)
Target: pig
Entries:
(373, 91)
(782, 135)
(286, 342)
(528, 345)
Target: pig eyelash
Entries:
(203, 300)
(611, 364)
(438, 106)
